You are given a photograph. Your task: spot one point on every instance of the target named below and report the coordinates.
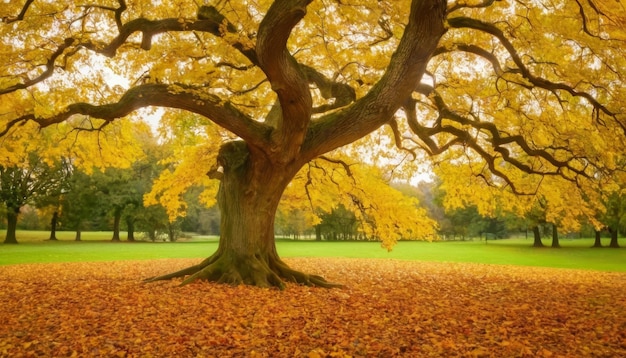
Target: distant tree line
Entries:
(459, 224)
(57, 196)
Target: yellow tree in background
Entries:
(527, 87)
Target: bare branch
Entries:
(476, 50)
(425, 133)
(384, 25)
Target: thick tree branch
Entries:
(405, 70)
(426, 134)
(150, 28)
(173, 96)
(342, 93)
(285, 75)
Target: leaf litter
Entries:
(389, 308)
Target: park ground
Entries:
(422, 299)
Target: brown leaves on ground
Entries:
(390, 308)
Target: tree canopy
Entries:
(510, 92)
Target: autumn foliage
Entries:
(390, 308)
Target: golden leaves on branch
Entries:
(385, 212)
(390, 308)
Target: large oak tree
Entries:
(511, 87)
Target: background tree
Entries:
(338, 224)
(80, 204)
(51, 200)
(534, 86)
(22, 184)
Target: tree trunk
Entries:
(537, 236)
(555, 237)
(78, 235)
(53, 225)
(614, 243)
(10, 237)
(130, 224)
(117, 218)
(248, 197)
(598, 241)
(171, 232)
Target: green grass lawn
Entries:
(96, 246)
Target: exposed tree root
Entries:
(251, 270)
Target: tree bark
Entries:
(171, 232)
(555, 237)
(53, 226)
(130, 224)
(537, 236)
(613, 244)
(10, 237)
(78, 235)
(248, 197)
(598, 241)
(117, 218)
